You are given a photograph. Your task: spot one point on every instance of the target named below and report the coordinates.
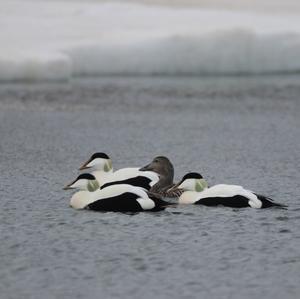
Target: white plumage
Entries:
(220, 191)
(117, 198)
(196, 191)
(102, 168)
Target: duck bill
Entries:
(146, 168)
(85, 165)
(69, 186)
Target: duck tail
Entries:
(268, 202)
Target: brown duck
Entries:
(164, 168)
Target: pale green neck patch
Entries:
(93, 185)
(200, 185)
(108, 166)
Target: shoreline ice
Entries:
(46, 40)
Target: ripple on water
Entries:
(282, 218)
(284, 231)
(49, 250)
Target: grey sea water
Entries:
(233, 130)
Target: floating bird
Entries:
(114, 198)
(84, 182)
(197, 192)
(88, 182)
(164, 168)
(103, 171)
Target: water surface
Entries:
(242, 131)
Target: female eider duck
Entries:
(114, 198)
(196, 191)
(164, 168)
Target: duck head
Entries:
(99, 161)
(164, 168)
(192, 181)
(85, 181)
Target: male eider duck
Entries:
(196, 191)
(164, 168)
(85, 182)
(103, 171)
(88, 182)
(114, 198)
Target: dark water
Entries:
(243, 131)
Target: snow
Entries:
(57, 40)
